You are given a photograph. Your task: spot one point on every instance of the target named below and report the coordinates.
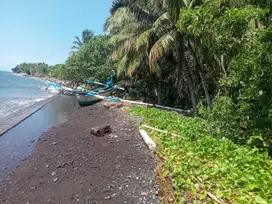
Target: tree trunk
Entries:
(158, 92)
(185, 68)
(200, 70)
(204, 84)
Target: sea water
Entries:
(18, 92)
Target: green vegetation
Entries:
(87, 35)
(89, 62)
(213, 57)
(199, 163)
(33, 69)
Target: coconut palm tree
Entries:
(86, 36)
(147, 31)
(126, 24)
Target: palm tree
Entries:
(147, 31)
(86, 36)
(126, 24)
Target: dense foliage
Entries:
(89, 62)
(212, 54)
(33, 69)
(199, 163)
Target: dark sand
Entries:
(17, 143)
(69, 165)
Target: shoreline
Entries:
(17, 143)
(45, 79)
(69, 165)
(12, 120)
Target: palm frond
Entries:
(87, 35)
(126, 46)
(143, 39)
(116, 40)
(121, 17)
(134, 62)
(188, 3)
(134, 28)
(160, 27)
(72, 52)
(140, 12)
(122, 64)
(129, 63)
(173, 8)
(77, 41)
(107, 24)
(163, 25)
(75, 47)
(123, 48)
(157, 6)
(116, 4)
(164, 18)
(160, 48)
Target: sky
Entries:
(43, 30)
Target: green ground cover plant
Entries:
(198, 162)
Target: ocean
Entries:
(18, 92)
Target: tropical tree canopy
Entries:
(89, 62)
(210, 54)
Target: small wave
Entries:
(17, 93)
(39, 99)
(49, 89)
(53, 90)
(13, 106)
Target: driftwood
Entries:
(149, 142)
(101, 130)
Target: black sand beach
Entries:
(70, 165)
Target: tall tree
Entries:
(149, 27)
(90, 61)
(87, 35)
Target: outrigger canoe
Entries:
(84, 99)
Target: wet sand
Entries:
(17, 143)
(16, 118)
(70, 165)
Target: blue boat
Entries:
(84, 99)
(89, 97)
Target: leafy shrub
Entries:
(200, 163)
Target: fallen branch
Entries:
(158, 130)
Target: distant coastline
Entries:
(47, 78)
